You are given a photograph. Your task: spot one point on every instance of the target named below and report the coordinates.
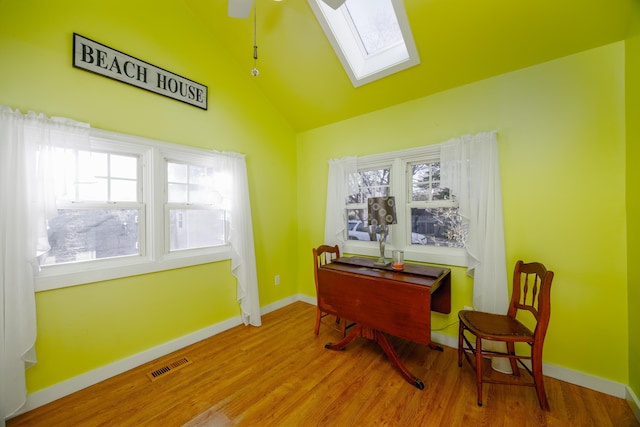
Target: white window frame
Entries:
(400, 233)
(363, 68)
(154, 255)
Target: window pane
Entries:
(201, 188)
(92, 164)
(176, 172)
(200, 175)
(426, 183)
(189, 183)
(196, 228)
(358, 215)
(88, 234)
(199, 194)
(371, 183)
(123, 190)
(441, 227)
(124, 167)
(97, 190)
(358, 227)
(177, 193)
(93, 177)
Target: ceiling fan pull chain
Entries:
(255, 71)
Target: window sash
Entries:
(187, 239)
(90, 233)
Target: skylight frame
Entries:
(360, 67)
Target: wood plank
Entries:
(281, 375)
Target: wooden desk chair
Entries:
(531, 293)
(322, 255)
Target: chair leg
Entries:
(538, 379)
(318, 317)
(479, 369)
(511, 349)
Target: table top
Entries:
(410, 268)
(416, 274)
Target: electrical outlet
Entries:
(277, 279)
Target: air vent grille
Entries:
(168, 368)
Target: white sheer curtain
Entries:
(235, 191)
(338, 188)
(469, 167)
(23, 235)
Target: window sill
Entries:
(53, 277)
(453, 257)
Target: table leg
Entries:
(346, 340)
(435, 346)
(381, 339)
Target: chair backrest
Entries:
(322, 255)
(532, 292)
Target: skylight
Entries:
(372, 38)
(376, 26)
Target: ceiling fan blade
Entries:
(240, 8)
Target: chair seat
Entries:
(495, 326)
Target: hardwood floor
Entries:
(281, 375)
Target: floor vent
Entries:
(168, 368)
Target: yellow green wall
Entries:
(84, 327)
(633, 195)
(562, 155)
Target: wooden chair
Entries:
(322, 255)
(531, 293)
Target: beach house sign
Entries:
(100, 59)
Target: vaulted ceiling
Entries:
(459, 42)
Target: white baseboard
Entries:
(282, 303)
(49, 394)
(633, 402)
(54, 392)
(307, 299)
(585, 380)
(72, 385)
(443, 339)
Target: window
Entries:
(429, 228)
(130, 205)
(372, 38)
(194, 218)
(99, 206)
